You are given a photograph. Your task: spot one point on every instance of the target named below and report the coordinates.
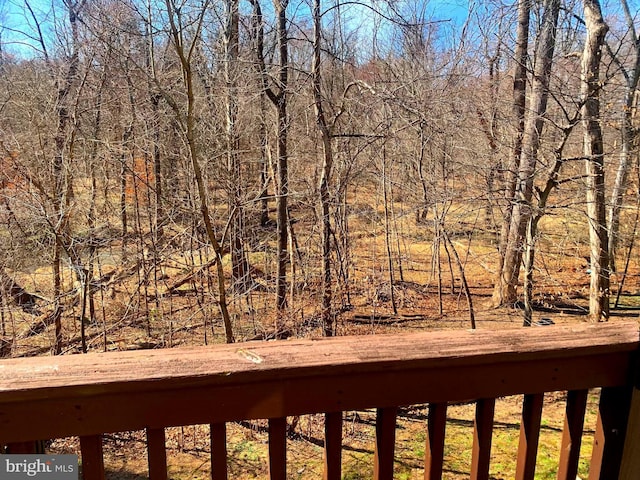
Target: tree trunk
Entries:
(282, 169)
(91, 213)
(239, 267)
(325, 178)
(279, 101)
(463, 278)
(627, 138)
(124, 173)
(60, 177)
(189, 126)
(594, 154)
(157, 167)
(257, 36)
(534, 123)
(154, 98)
(265, 178)
(627, 135)
(529, 259)
(532, 226)
(502, 293)
(387, 231)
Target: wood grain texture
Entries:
(21, 378)
(158, 388)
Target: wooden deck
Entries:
(88, 395)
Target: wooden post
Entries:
(482, 433)
(609, 437)
(218, 434)
(630, 464)
(385, 443)
(92, 460)
(157, 454)
(572, 434)
(278, 448)
(333, 446)
(434, 448)
(529, 435)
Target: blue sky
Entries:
(14, 16)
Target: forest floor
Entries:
(135, 312)
(188, 447)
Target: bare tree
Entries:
(239, 266)
(539, 210)
(326, 131)
(184, 44)
(282, 162)
(628, 134)
(62, 181)
(504, 293)
(278, 97)
(534, 123)
(594, 155)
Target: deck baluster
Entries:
(630, 466)
(278, 448)
(218, 433)
(611, 426)
(333, 446)
(434, 448)
(529, 436)
(157, 454)
(482, 432)
(572, 434)
(385, 443)
(92, 459)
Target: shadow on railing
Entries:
(89, 395)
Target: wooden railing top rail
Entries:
(24, 378)
(97, 393)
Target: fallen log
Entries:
(20, 296)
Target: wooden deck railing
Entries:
(88, 395)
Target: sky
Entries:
(13, 19)
(14, 16)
